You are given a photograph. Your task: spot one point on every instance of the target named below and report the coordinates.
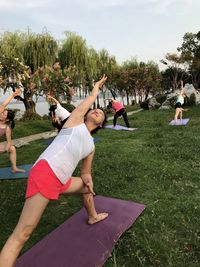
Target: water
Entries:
(42, 107)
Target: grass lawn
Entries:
(157, 165)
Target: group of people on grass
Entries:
(51, 175)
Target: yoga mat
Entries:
(120, 127)
(6, 173)
(77, 244)
(179, 122)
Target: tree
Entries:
(28, 49)
(190, 51)
(177, 70)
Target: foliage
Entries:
(161, 98)
(147, 169)
(190, 50)
(12, 72)
(29, 115)
(175, 72)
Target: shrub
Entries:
(68, 106)
(30, 115)
(161, 98)
(144, 104)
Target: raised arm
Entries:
(49, 97)
(8, 100)
(181, 89)
(87, 103)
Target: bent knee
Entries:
(12, 149)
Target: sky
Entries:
(143, 29)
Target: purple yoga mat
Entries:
(120, 127)
(77, 244)
(179, 122)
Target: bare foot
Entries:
(98, 218)
(17, 170)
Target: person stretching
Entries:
(51, 175)
(179, 105)
(6, 124)
(119, 111)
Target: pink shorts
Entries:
(43, 180)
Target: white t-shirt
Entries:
(69, 147)
(61, 113)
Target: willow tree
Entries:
(33, 50)
(73, 53)
(106, 65)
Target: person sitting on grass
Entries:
(51, 175)
(6, 124)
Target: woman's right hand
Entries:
(101, 82)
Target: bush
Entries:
(193, 99)
(68, 106)
(161, 98)
(190, 101)
(30, 115)
(144, 104)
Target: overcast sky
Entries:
(144, 29)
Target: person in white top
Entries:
(58, 114)
(51, 174)
(179, 104)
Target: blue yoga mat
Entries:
(179, 122)
(6, 173)
(119, 127)
(77, 244)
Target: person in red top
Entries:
(119, 111)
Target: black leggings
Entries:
(121, 112)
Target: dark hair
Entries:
(10, 118)
(103, 123)
(110, 104)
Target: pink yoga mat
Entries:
(77, 244)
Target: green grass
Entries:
(157, 165)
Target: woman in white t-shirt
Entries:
(51, 175)
(58, 114)
(179, 104)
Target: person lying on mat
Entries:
(119, 111)
(179, 104)
(51, 175)
(6, 124)
(58, 114)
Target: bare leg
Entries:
(176, 115)
(181, 115)
(77, 186)
(30, 216)
(13, 159)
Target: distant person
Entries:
(58, 114)
(179, 104)
(119, 111)
(6, 124)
